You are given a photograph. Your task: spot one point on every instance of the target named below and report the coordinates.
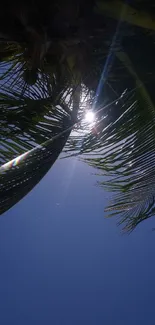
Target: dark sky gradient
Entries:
(62, 263)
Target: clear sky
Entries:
(62, 263)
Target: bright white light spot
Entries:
(89, 117)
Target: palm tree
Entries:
(46, 71)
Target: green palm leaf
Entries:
(121, 145)
(27, 122)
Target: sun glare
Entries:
(89, 117)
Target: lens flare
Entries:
(89, 117)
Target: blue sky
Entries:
(62, 263)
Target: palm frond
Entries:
(121, 145)
(29, 121)
(19, 176)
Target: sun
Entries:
(89, 117)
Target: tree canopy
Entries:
(60, 59)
